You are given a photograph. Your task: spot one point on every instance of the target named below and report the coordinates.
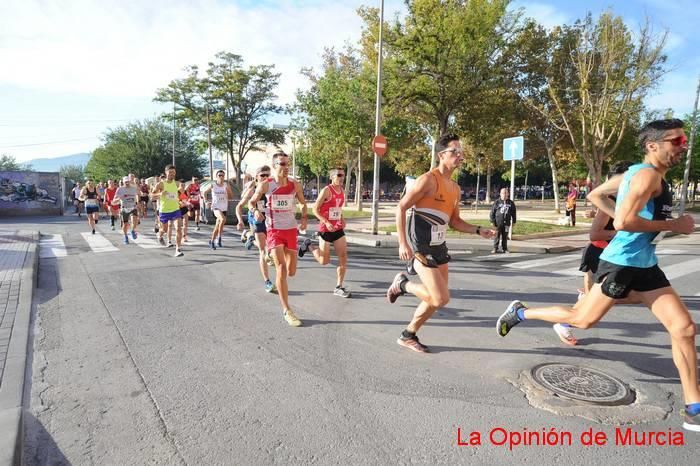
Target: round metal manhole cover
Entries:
(582, 384)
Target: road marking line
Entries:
(146, 242)
(98, 243)
(670, 252)
(573, 271)
(495, 257)
(682, 268)
(52, 246)
(540, 262)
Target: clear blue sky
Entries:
(73, 68)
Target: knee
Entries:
(324, 260)
(685, 329)
(582, 322)
(440, 300)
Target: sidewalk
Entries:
(18, 265)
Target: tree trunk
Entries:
(555, 180)
(348, 174)
(358, 181)
(487, 200)
(318, 185)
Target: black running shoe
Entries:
(509, 319)
(304, 248)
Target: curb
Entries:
(12, 391)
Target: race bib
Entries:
(437, 234)
(170, 196)
(194, 197)
(283, 202)
(220, 198)
(91, 202)
(127, 203)
(335, 213)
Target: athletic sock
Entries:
(406, 335)
(565, 325)
(521, 314)
(112, 219)
(402, 285)
(692, 409)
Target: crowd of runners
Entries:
(620, 263)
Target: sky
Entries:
(71, 69)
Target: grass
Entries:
(521, 228)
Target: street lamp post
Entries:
(211, 157)
(479, 156)
(377, 124)
(173, 134)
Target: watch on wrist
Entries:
(478, 230)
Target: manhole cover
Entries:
(582, 384)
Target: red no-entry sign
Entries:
(379, 145)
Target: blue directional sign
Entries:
(513, 148)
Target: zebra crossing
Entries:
(568, 264)
(55, 245)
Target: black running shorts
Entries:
(617, 280)
(331, 236)
(590, 258)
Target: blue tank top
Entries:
(635, 249)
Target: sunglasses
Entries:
(677, 141)
(340, 175)
(220, 175)
(281, 164)
(455, 151)
(264, 175)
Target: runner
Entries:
(282, 195)
(88, 195)
(155, 205)
(629, 266)
(169, 209)
(329, 211)
(602, 231)
(434, 205)
(77, 189)
(194, 193)
(101, 197)
(258, 231)
(143, 199)
(221, 194)
(184, 201)
(113, 211)
(125, 197)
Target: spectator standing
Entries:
(571, 204)
(502, 217)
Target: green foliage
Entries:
(237, 99)
(74, 173)
(144, 148)
(9, 164)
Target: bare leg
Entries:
(436, 281)
(341, 250)
(261, 239)
(278, 256)
(587, 312)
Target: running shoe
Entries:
(291, 319)
(565, 334)
(96, 221)
(269, 286)
(505, 251)
(494, 251)
(410, 266)
(126, 239)
(170, 244)
(212, 245)
(691, 422)
(342, 292)
(178, 253)
(112, 227)
(394, 290)
(219, 244)
(304, 248)
(155, 229)
(412, 344)
(93, 231)
(244, 236)
(249, 243)
(161, 240)
(197, 228)
(133, 234)
(509, 319)
(184, 238)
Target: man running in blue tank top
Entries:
(629, 267)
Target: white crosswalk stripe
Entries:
(681, 269)
(146, 242)
(98, 243)
(531, 264)
(52, 246)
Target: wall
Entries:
(30, 193)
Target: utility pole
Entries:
(211, 158)
(377, 124)
(689, 156)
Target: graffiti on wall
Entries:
(27, 193)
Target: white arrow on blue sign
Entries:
(513, 148)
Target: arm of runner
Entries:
(598, 231)
(304, 208)
(253, 201)
(247, 193)
(323, 196)
(643, 186)
(157, 190)
(83, 192)
(424, 186)
(458, 224)
(600, 196)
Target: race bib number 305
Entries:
(283, 202)
(437, 234)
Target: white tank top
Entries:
(219, 197)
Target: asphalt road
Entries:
(142, 358)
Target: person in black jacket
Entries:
(503, 218)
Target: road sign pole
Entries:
(512, 179)
(377, 125)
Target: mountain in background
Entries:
(55, 164)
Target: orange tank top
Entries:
(443, 202)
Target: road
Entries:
(142, 358)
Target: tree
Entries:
(9, 164)
(74, 173)
(144, 148)
(612, 73)
(239, 100)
